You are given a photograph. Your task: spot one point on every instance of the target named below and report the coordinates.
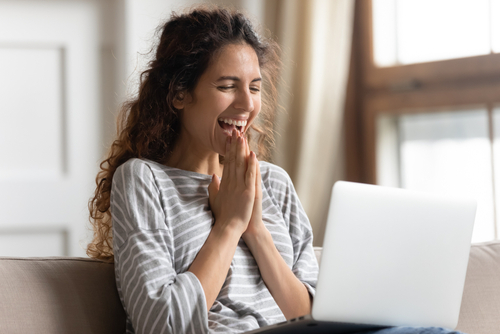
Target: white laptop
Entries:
(391, 257)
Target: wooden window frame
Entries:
(401, 89)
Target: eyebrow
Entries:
(236, 78)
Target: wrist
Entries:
(228, 230)
(258, 238)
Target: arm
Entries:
(231, 202)
(289, 292)
(213, 260)
(156, 298)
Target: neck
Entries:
(195, 160)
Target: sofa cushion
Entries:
(480, 311)
(59, 295)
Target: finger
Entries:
(247, 148)
(232, 154)
(258, 181)
(225, 171)
(247, 152)
(228, 146)
(240, 159)
(213, 189)
(250, 175)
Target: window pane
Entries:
(495, 25)
(449, 153)
(384, 32)
(429, 30)
(387, 146)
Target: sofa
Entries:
(78, 295)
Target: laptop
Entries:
(391, 257)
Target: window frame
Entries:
(403, 89)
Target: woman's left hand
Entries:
(288, 291)
(256, 225)
(290, 294)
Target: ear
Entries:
(179, 101)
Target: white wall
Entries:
(90, 78)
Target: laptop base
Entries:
(309, 325)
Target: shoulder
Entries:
(136, 201)
(274, 175)
(137, 168)
(277, 183)
(135, 173)
(133, 166)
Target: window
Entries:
(423, 109)
(408, 32)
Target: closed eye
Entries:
(225, 87)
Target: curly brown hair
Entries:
(149, 125)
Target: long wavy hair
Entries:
(148, 125)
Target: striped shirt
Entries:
(161, 219)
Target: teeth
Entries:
(235, 122)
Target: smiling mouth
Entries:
(229, 125)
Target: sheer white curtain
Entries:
(315, 36)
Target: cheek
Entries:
(257, 106)
(195, 120)
(220, 103)
(256, 111)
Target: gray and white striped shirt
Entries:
(161, 219)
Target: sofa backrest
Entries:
(59, 295)
(480, 311)
(76, 295)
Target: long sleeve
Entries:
(305, 265)
(156, 298)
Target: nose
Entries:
(244, 100)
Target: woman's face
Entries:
(226, 97)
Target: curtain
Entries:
(315, 36)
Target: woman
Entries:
(204, 236)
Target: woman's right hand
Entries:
(232, 198)
(231, 201)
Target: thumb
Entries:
(213, 189)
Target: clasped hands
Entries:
(236, 199)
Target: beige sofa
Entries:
(76, 295)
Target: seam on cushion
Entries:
(487, 243)
(55, 258)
